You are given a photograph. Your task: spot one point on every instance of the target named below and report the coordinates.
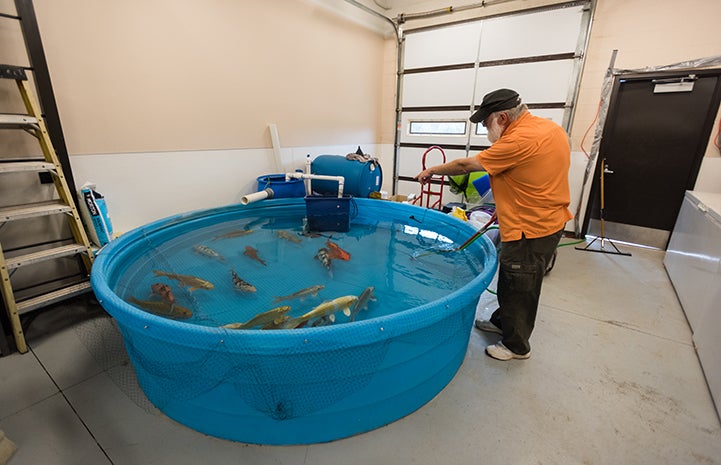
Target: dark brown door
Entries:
(654, 139)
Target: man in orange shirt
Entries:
(528, 164)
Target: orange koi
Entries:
(334, 251)
(253, 253)
(163, 290)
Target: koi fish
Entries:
(274, 316)
(163, 290)
(325, 309)
(232, 234)
(312, 290)
(324, 257)
(253, 253)
(277, 323)
(311, 234)
(208, 252)
(192, 282)
(240, 284)
(162, 308)
(322, 321)
(289, 237)
(334, 251)
(363, 299)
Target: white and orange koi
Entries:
(324, 258)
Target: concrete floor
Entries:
(613, 379)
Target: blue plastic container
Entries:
(281, 188)
(360, 178)
(482, 184)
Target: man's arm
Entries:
(452, 168)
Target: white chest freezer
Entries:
(693, 262)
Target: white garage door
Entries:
(447, 70)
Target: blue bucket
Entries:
(281, 187)
(360, 178)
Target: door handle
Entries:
(606, 170)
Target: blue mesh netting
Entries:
(294, 385)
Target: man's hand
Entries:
(424, 176)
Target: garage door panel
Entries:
(555, 31)
(460, 46)
(554, 114)
(452, 87)
(540, 82)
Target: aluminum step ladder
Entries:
(33, 123)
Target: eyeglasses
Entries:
(487, 121)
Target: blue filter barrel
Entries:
(361, 178)
(281, 187)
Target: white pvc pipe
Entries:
(255, 196)
(320, 177)
(306, 182)
(275, 140)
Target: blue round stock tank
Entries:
(188, 293)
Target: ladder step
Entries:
(10, 71)
(19, 212)
(17, 167)
(14, 121)
(53, 297)
(49, 254)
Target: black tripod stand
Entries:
(602, 237)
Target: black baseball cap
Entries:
(501, 99)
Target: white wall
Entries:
(143, 187)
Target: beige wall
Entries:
(645, 33)
(163, 75)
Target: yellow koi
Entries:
(192, 282)
(274, 316)
(162, 308)
(325, 309)
(312, 290)
(232, 234)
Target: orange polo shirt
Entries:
(528, 168)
